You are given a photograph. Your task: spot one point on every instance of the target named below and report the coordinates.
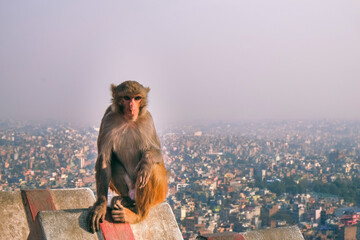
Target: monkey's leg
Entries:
(125, 215)
(121, 184)
(98, 210)
(152, 194)
(119, 202)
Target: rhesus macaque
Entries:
(129, 159)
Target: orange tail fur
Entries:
(154, 191)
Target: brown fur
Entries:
(129, 161)
(152, 194)
(129, 88)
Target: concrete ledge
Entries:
(73, 198)
(283, 233)
(18, 209)
(71, 224)
(61, 214)
(221, 236)
(13, 221)
(65, 224)
(160, 224)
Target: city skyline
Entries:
(203, 60)
(223, 178)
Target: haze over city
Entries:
(203, 60)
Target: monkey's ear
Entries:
(112, 89)
(147, 90)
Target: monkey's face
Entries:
(131, 106)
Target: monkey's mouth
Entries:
(132, 111)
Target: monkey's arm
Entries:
(149, 158)
(98, 211)
(150, 155)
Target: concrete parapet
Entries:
(160, 224)
(71, 224)
(14, 224)
(283, 233)
(73, 198)
(65, 224)
(18, 209)
(61, 214)
(221, 236)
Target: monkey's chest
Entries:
(128, 145)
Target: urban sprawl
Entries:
(223, 177)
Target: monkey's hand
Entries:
(96, 216)
(123, 209)
(144, 171)
(117, 209)
(116, 202)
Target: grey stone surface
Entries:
(283, 233)
(160, 224)
(71, 224)
(14, 224)
(65, 224)
(13, 221)
(72, 198)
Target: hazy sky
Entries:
(203, 59)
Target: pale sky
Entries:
(223, 60)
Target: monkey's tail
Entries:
(154, 191)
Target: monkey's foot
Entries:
(119, 202)
(124, 215)
(123, 210)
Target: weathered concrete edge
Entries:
(160, 224)
(71, 223)
(14, 223)
(79, 198)
(73, 219)
(281, 233)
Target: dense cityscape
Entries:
(224, 177)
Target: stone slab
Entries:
(221, 236)
(116, 231)
(71, 224)
(66, 224)
(282, 233)
(18, 210)
(13, 220)
(39, 200)
(160, 224)
(72, 198)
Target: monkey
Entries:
(129, 161)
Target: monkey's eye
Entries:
(137, 98)
(127, 98)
